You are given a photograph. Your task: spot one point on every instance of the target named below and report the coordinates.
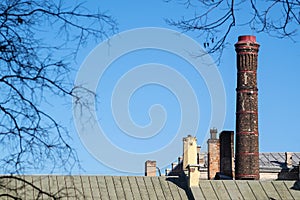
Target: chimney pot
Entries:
(167, 172)
(179, 159)
(174, 164)
(289, 159)
(213, 133)
(245, 38)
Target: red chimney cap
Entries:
(247, 38)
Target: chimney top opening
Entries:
(250, 38)
(213, 133)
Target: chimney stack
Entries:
(227, 153)
(150, 168)
(189, 151)
(213, 154)
(247, 152)
(289, 159)
(190, 162)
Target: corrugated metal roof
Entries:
(89, 187)
(277, 159)
(139, 187)
(242, 189)
(267, 160)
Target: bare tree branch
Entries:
(216, 19)
(38, 41)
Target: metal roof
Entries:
(277, 159)
(140, 187)
(242, 189)
(89, 187)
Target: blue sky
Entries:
(278, 83)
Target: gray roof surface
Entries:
(242, 189)
(140, 187)
(268, 160)
(89, 187)
(277, 159)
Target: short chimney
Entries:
(174, 165)
(227, 153)
(193, 175)
(167, 172)
(190, 161)
(213, 154)
(150, 168)
(289, 159)
(179, 159)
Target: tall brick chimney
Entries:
(247, 152)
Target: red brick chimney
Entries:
(247, 152)
(213, 154)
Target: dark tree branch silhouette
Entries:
(214, 20)
(38, 41)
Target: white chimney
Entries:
(190, 162)
(150, 168)
(289, 159)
